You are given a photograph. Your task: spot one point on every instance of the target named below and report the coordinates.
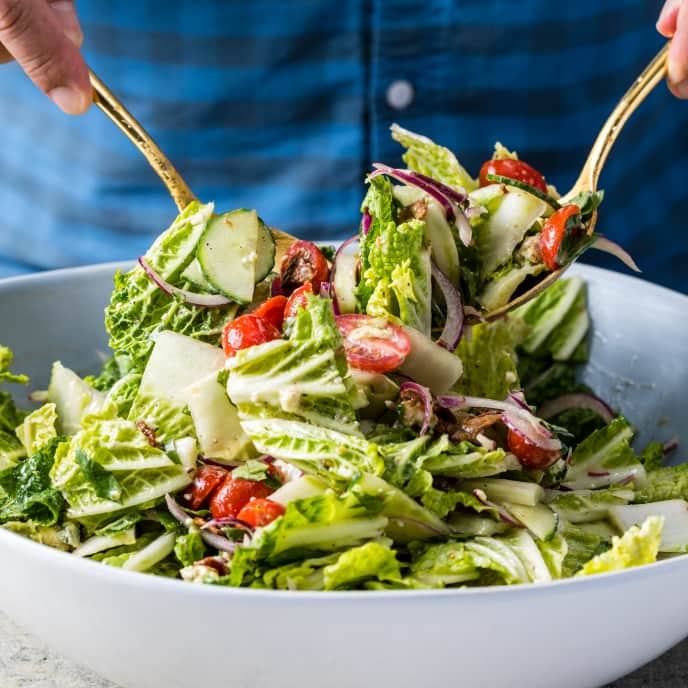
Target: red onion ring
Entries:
(228, 521)
(516, 418)
(443, 194)
(426, 397)
(578, 400)
(601, 243)
(453, 326)
(176, 511)
(503, 514)
(366, 221)
(218, 542)
(189, 297)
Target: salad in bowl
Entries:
(338, 424)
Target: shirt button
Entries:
(400, 94)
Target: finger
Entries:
(666, 24)
(33, 35)
(65, 13)
(677, 67)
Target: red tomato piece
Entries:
(528, 454)
(245, 331)
(298, 299)
(373, 343)
(261, 512)
(302, 263)
(272, 310)
(207, 478)
(553, 233)
(234, 494)
(514, 169)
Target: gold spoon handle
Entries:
(111, 106)
(636, 94)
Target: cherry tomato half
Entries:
(207, 478)
(234, 494)
(514, 169)
(261, 512)
(272, 310)
(528, 454)
(373, 343)
(553, 233)
(245, 331)
(298, 299)
(303, 262)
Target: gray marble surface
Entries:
(25, 662)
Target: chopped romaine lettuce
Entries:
(37, 428)
(605, 458)
(489, 359)
(138, 309)
(26, 490)
(431, 159)
(638, 545)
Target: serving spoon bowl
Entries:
(587, 180)
(590, 174)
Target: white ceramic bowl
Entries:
(144, 632)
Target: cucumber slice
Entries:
(345, 282)
(504, 490)
(265, 251)
(227, 253)
(195, 276)
(540, 520)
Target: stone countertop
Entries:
(26, 662)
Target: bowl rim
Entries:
(161, 584)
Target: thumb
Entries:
(35, 32)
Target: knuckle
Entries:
(14, 17)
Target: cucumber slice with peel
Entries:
(228, 252)
(193, 274)
(266, 252)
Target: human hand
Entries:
(44, 37)
(673, 23)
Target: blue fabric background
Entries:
(280, 105)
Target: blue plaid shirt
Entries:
(282, 105)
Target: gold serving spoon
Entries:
(590, 174)
(176, 186)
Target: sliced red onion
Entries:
(228, 521)
(519, 399)
(426, 397)
(176, 511)
(193, 299)
(218, 541)
(598, 474)
(276, 288)
(578, 400)
(601, 243)
(453, 326)
(503, 514)
(628, 479)
(670, 446)
(444, 195)
(516, 418)
(366, 221)
(326, 290)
